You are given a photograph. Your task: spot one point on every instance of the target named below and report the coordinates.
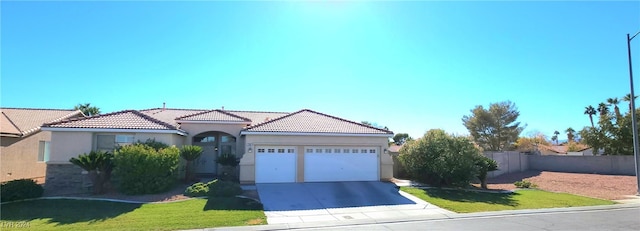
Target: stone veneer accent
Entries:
(66, 179)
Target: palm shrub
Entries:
(440, 159)
(190, 153)
(484, 165)
(141, 169)
(229, 163)
(99, 165)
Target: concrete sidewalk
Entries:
(435, 217)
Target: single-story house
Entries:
(273, 147)
(24, 147)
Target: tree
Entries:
(484, 165)
(613, 135)
(555, 136)
(190, 153)
(570, 135)
(496, 128)
(99, 165)
(87, 109)
(401, 138)
(627, 98)
(590, 111)
(603, 109)
(613, 102)
(530, 144)
(440, 159)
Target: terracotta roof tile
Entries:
(129, 119)
(169, 115)
(29, 120)
(308, 121)
(214, 115)
(257, 117)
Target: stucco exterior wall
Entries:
(19, 157)
(65, 145)
(195, 128)
(247, 163)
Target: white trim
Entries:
(211, 122)
(313, 134)
(114, 130)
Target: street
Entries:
(612, 219)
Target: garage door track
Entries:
(331, 201)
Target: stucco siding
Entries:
(65, 145)
(247, 163)
(19, 157)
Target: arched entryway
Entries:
(213, 145)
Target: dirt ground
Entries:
(610, 187)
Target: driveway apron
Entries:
(332, 201)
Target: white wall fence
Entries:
(509, 162)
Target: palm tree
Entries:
(603, 109)
(627, 98)
(87, 109)
(555, 134)
(614, 102)
(570, 132)
(98, 164)
(590, 111)
(190, 153)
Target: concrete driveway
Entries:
(331, 201)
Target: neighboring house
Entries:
(564, 150)
(274, 147)
(25, 148)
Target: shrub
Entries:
(198, 189)
(157, 145)
(19, 190)
(227, 159)
(440, 159)
(141, 169)
(214, 188)
(524, 184)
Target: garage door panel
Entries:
(275, 167)
(324, 167)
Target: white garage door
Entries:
(275, 164)
(341, 164)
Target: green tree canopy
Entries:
(401, 138)
(87, 109)
(495, 128)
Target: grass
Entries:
(65, 214)
(462, 201)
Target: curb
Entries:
(440, 217)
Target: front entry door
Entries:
(206, 163)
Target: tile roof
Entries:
(257, 117)
(169, 115)
(308, 121)
(24, 121)
(214, 115)
(395, 148)
(129, 119)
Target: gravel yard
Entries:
(610, 187)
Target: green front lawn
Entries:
(65, 214)
(462, 201)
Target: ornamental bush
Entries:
(19, 190)
(141, 169)
(214, 188)
(440, 159)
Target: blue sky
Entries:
(411, 66)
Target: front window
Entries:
(43, 151)
(109, 143)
